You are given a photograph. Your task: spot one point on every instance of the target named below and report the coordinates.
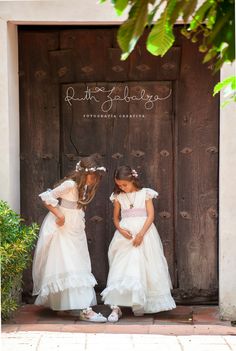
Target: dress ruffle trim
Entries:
(126, 286)
(158, 303)
(151, 194)
(113, 197)
(151, 302)
(48, 198)
(61, 284)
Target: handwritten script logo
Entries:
(111, 96)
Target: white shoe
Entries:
(115, 314)
(88, 315)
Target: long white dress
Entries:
(138, 276)
(61, 267)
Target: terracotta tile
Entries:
(84, 328)
(184, 319)
(25, 319)
(56, 321)
(206, 314)
(9, 328)
(170, 323)
(183, 316)
(214, 330)
(179, 310)
(171, 329)
(40, 327)
(135, 320)
(31, 308)
(127, 329)
(206, 318)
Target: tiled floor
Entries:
(55, 341)
(184, 320)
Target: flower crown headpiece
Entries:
(134, 173)
(88, 169)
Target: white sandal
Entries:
(96, 317)
(115, 314)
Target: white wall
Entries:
(71, 11)
(89, 12)
(227, 203)
(9, 116)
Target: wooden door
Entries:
(173, 143)
(138, 134)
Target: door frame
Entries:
(13, 14)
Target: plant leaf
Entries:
(224, 83)
(161, 37)
(153, 12)
(200, 14)
(120, 5)
(210, 55)
(189, 8)
(131, 30)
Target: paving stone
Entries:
(19, 342)
(109, 338)
(206, 347)
(158, 339)
(202, 339)
(231, 339)
(69, 341)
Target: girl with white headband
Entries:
(61, 267)
(138, 274)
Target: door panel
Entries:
(174, 146)
(129, 133)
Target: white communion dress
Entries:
(61, 267)
(138, 276)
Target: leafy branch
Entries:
(211, 26)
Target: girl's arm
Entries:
(150, 218)
(55, 210)
(116, 220)
(50, 199)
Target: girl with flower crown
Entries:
(61, 267)
(138, 275)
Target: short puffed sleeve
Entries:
(51, 195)
(114, 197)
(150, 194)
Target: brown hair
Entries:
(80, 175)
(126, 173)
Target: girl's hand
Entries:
(138, 240)
(60, 220)
(125, 233)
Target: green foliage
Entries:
(228, 86)
(132, 29)
(161, 37)
(211, 26)
(17, 241)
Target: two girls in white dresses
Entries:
(138, 275)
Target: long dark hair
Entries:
(79, 175)
(126, 173)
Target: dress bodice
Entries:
(67, 190)
(134, 204)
